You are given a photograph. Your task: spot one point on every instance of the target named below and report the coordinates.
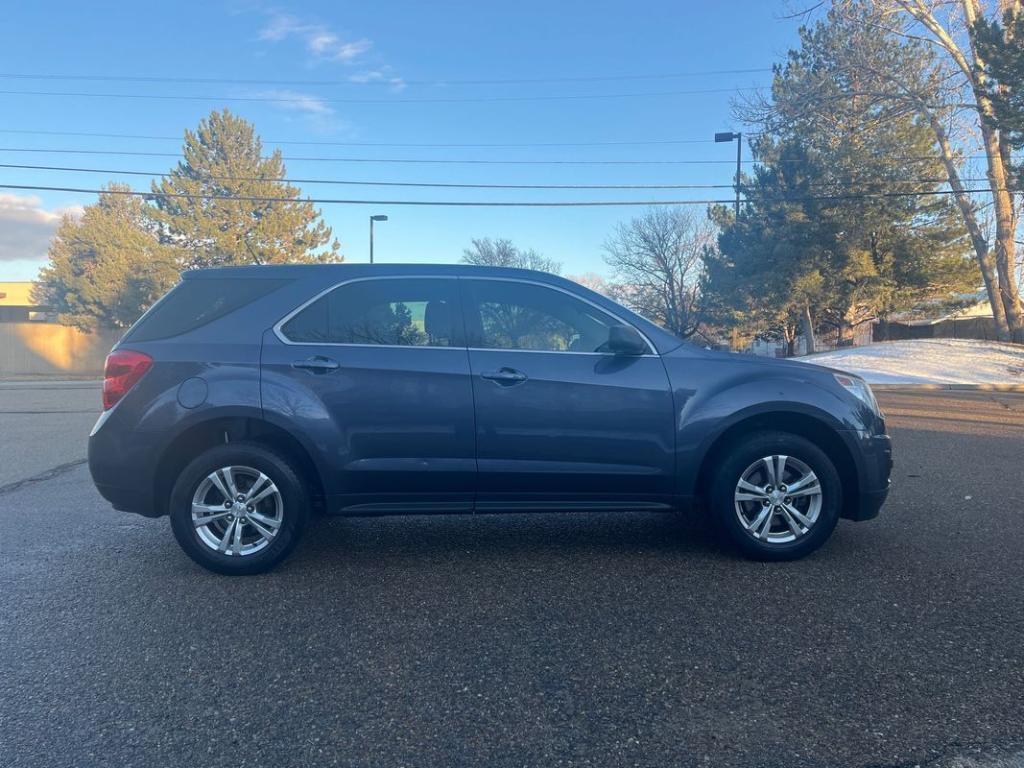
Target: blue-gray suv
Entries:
(249, 398)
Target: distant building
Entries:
(16, 305)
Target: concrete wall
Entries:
(49, 349)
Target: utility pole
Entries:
(738, 138)
(377, 217)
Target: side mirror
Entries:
(625, 340)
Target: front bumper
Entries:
(869, 505)
(874, 453)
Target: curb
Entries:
(947, 387)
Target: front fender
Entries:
(713, 397)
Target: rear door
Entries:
(559, 421)
(375, 373)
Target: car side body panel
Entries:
(403, 436)
(390, 428)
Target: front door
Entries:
(375, 374)
(560, 423)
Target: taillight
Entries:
(122, 371)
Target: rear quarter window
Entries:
(195, 303)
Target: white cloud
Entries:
(311, 109)
(294, 101)
(26, 226)
(384, 74)
(321, 41)
(279, 27)
(349, 51)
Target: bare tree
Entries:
(658, 262)
(960, 107)
(594, 282)
(502, 253)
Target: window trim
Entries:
(652, 351)
(277, 327)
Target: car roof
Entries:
(347, 270)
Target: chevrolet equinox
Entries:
(248, 398)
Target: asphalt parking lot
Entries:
(546, 640)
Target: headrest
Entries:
(437, 320)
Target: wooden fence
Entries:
(964, 328)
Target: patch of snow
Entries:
(929, 361)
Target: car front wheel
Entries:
(776, 496)
(238, 508)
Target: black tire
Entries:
(742, 455)
(294, 508)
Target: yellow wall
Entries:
(49, 349)
(18, 295)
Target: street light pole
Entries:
(378, 217)
(738, 138)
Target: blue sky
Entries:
(393, 52)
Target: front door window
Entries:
(525, 316)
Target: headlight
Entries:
(859, 389)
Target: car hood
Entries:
(764, 364)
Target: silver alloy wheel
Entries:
(237, 511)
(778, 499)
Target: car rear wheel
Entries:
(776, 496)
(238, 508)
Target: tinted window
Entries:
(196, 302)
(403, 312)
(510, 315)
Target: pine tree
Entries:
(843, 249)
(226, 204)
(1002, 46)
(765, 280)
(106, 268)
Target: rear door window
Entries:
(406, 312)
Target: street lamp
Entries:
(738, 137)
(377, 217)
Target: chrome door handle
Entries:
(504, 376)
(317, 364)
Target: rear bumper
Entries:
(122, 464)
(129, 500)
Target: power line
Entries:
(114, 172)
(649, 142)
(382, 82)
(332, 201)
(431, 161)
(454, 185)
(281, 99)
(381, 159)
(476, 203)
